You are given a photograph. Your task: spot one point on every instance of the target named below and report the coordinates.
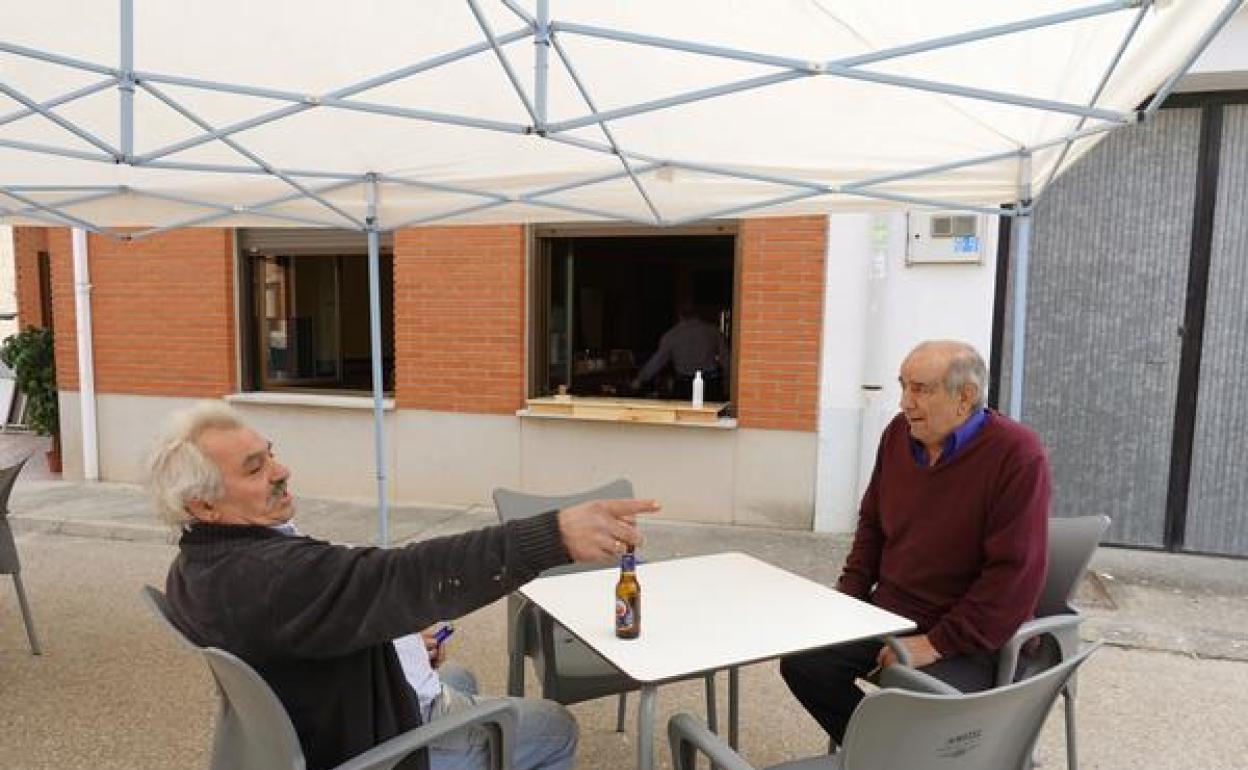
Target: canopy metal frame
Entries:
(544, 33)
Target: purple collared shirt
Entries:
(960, 437)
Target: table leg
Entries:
(645, 727)
(712, 717)
(734, 698)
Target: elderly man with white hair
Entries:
(319, 622)
(952, 534)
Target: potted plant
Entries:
(29, 354)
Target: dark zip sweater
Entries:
(960, 548)
(316, 620)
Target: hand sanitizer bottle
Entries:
(697, 389)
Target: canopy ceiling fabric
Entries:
(466, 141)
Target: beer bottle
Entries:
(628, 598)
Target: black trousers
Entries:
(823, 680)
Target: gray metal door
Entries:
(1217, 507)
(1107, 287)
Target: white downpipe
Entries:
(86, 357)
(887, 238)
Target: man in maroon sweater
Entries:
(952, 533)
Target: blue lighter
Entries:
(443, 633)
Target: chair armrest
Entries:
(902, 677)
(687, 736)
(500, 714)
(1007, 658)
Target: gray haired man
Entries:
(319, 621)
(952, 534)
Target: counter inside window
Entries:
(630, 410)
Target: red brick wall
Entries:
(27, 243)
(164, 316)
(162, 313)
(781, 317)
(459, 318)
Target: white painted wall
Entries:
(8, 281)
(876, 308)
(721, 475)
(1224, 64)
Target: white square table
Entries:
(703, 614)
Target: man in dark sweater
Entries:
(952, 534)
(318, 621)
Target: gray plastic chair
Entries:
(895, 729)
(1072, 543)
(569, 671)
(9, 564)
(254, 732)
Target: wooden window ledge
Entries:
(628, 410)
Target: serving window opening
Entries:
(603, 305)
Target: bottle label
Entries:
(625, 617)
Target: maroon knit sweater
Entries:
(959, 548)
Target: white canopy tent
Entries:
(133, 118)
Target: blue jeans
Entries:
(546, 732)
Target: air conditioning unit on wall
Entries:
(944, 238)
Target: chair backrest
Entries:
(253, 730)
(159, 605)
(512, 505)
(567, 675)
(9, 564)
(1072, 542)
(521, 505)
(991, 730)
(8, 477)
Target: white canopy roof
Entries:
(813, 104)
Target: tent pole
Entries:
(238, 148)
(1100, 88)
(847, 188)
(67, 202)
(541, 51)
(72, 96)
(125, 81)
(64, 219)
(374, 320)
(301, 102)
(68, 125)
(508, 70)
(222, 168)
(422, 220)
(606, 130)
(755, 57)
(1230, 9)
(1022, 257)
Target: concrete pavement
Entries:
(111, 691)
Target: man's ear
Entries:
(204, 511)
(968, 395)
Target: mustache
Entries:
(279, 489)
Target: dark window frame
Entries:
(251, 345)
(540, 271)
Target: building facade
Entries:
(215, 314)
